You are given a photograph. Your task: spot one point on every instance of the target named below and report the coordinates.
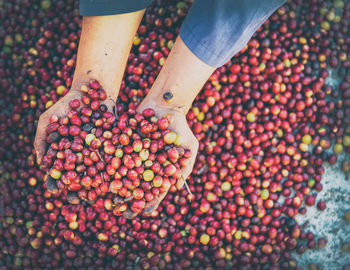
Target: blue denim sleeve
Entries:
(110, 7)
(215, 30)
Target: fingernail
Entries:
(72, 197)
(149, 210)
(129, 215)
(147, 213)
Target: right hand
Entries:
(178, 124)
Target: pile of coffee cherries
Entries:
(127, 160)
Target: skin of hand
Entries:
(183, 75)
(60, 109)
(178, 124)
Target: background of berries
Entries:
(267, 123)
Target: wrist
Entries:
(165, 100)
(159, 105)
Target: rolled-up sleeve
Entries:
(215, 30)
(110, 7)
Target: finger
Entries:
(186, 171)
(180, 182)
(51, 185)
(40, 139)
(183, 181)
(129, 214)
(110, 104)
(72, 197)
(153, 205)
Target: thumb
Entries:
(153, 205)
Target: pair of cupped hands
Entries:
(178, 124)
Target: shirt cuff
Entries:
(110, 7)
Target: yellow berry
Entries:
(195, 111)
(303, 147)
(102, 237)
(137, 40)
(201, 116)
(204, 239)
(73, 225)
(346, 140)
(144, 154)
(60, 90)
(178, 140)
(148, 175)
(226, 186)
(280, 133)
(170, 137)
(265, 194)
(56, 174)
(48, 104)
(238, 235)
(302, 40)
(251, 117)
(307, 139)
(89, 138)
(338, 148)
(325, 25)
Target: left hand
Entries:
(178, 124)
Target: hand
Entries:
(178, 124)
(60, 109)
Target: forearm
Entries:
(104, 47)
(183, 76)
